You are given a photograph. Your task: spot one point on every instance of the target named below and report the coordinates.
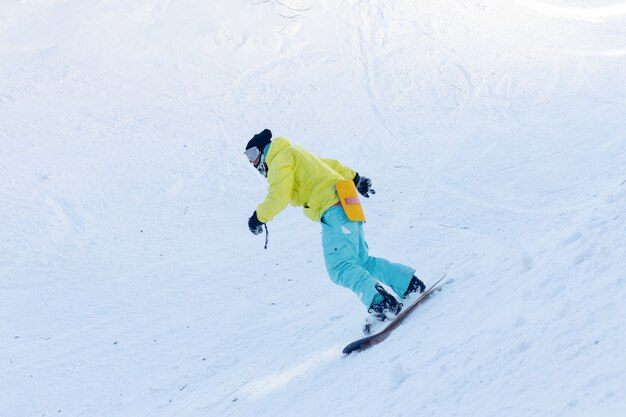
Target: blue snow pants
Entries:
(348, 263)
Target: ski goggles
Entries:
(252, 154)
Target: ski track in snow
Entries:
(493, 133)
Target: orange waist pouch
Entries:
(349, 198)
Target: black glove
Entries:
(255, 225)
(363, 185)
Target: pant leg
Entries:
(348, 262)
(395, 275)
(344, 255)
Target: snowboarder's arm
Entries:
(280, 178)
(346, 172)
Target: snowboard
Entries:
(383, 333)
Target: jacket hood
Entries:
(276, 146)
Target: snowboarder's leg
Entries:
(341, 241)
(395, 275)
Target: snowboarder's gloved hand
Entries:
(363, 185)
(255, 225)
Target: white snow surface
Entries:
(495, 135)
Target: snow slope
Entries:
(493, 132)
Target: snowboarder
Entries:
(301, 178)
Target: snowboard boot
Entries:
(389, 303)
(379, 311)
(414, 286)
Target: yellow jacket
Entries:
(297, 176)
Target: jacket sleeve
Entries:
(346, 172)
(280, 178)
